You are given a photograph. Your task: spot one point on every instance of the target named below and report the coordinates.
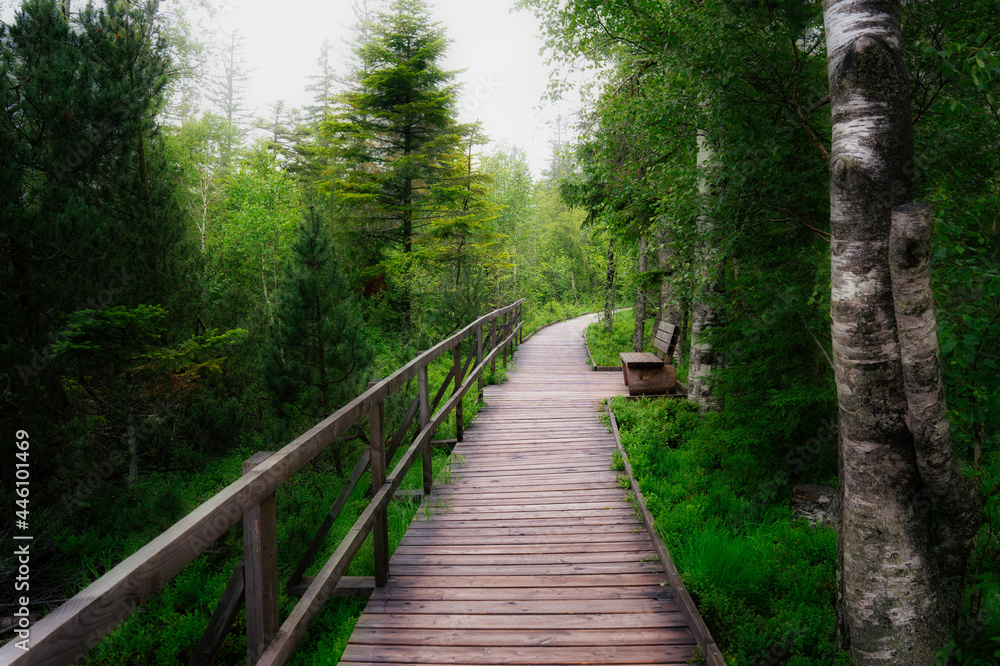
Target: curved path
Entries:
(530, 554)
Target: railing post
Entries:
(459, 424)
(504, 335)
(260, 555)
(520, 320)
(479, 359)
(380, 527)
(493, 344)
(425, 418)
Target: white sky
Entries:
(504, 80)
(505, 77)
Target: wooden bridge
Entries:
(530, 553)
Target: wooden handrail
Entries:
(280, 651)
(71, 630)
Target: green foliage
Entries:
(316, 353)
(89, 207)
(976, 637)
(764, 583)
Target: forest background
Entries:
(184, 285)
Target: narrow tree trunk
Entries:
(609, 288)
(955, 495)
(670, 299)
(640, 299)
(890, 604)
(705, 315)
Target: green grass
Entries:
(763, 582)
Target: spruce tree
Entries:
(316, 353)
(87, 197)
(396, 135)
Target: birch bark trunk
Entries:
(891, 613)
(704, 316)
(955, 495)
(640, 299)
(609, 289)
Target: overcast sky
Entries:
(504, 80)
(504, 75)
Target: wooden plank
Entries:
(554, 580)
(575, 557)
(525, 637)
(380, 524)
(517, 537)
(508, 594)
(331, 517)
(347, 586)
(517, 655)
(517, 622)
(524, 607)
(425, 416)
(221, 621)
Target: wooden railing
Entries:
(71, 630)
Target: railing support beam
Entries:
(459, 378)
(423, 389)
(380, 525)
(479, 359)
(260, 550)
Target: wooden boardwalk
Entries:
(531, 553)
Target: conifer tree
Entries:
(396, 135)
(316, 352)
(88, 199)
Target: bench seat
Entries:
(646, 373)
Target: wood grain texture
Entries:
(531, 554)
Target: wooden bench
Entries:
(653, 374)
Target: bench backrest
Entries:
(666, 339)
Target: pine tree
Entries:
(89, 201)
(316, 352)
(395, 135)
(228, 89)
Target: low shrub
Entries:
(764, 583)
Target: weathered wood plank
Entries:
(517, 655)
(260, 569)
(525, 637)
(559, 621)
(530, 554)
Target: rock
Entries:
(815, 503)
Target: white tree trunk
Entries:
(705, 316)
(955, 495)
(888, 582)
(640, 299)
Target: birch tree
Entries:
(900, 599)
(704, 316)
